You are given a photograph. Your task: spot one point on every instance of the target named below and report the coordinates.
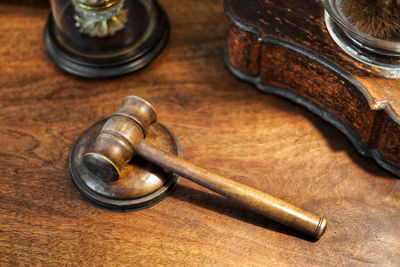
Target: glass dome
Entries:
(101, 38)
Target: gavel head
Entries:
(119, 138)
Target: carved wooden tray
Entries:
(284, 48)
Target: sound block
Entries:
(141, 183)
(284, 48)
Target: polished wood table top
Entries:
(221, 123)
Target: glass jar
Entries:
(101, 38)
(381, 53)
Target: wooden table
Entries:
(222, 124)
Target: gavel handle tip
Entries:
(321, 228)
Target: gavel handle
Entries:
(253, 199)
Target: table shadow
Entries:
(336, 140)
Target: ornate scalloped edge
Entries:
(327, 116)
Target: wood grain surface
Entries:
(222, 124)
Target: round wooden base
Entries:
(141, 184)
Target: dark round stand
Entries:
(151, 39)
(141, 184)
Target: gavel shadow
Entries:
(232, 209)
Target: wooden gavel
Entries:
(124, 135)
